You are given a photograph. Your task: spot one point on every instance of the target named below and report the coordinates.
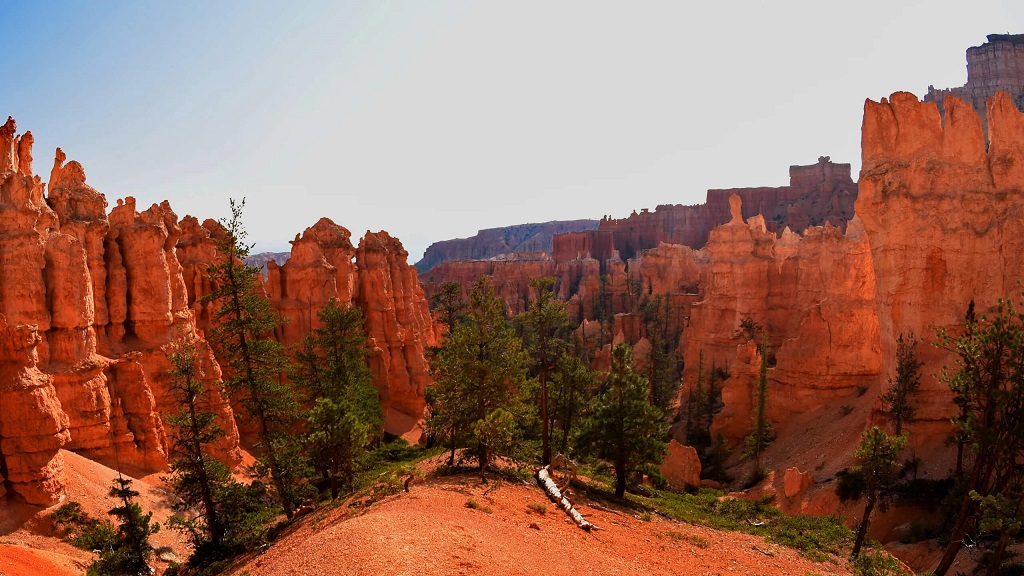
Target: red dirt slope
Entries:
(431, 531)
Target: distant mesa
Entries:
(995, 65)
(495, 242)
(260, 260)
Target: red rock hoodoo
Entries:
(324, 265)
(87, 305)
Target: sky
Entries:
(432, 120)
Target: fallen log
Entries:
(551, 489)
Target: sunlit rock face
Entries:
(943, 217)
(814, 296)
(88, 304)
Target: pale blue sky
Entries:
(435, 119)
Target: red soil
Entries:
(431, 531)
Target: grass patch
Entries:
(819, 539)
(474, 505)
(694, 539)
(538, 507)
(645, 516)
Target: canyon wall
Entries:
(944, 218)
(818, 193)
(497, 241)
(814, 297)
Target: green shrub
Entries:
(539, 508)
(877, 563)
(474, 505)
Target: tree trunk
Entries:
(862, 531)
(549, 486)
(620, 478)
(545, 458)
(956, 538)
(997, 557)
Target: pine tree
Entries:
(761, 435)
(244, 323)
(879, 460)
(696, 408)
(196, 477)
(449, 304)
(480, 368)
(231, 515)
(908, 380)
(345, 406)
(545, 324)
(623, 426)
(130, 551)
(573, 382)
(988, 387)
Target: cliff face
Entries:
(819, 193)
(944, 219)
(88, 304)
(496, 241)
(511, 278)
(324, 265)
(814, 296)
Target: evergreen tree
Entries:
(449, 304)
(879, 460)
(908, 380)
(339, 385)
(244, 322)
(545, 324)
(480, 368)
(231, 515)
(665, 368)
(128, 554)
(696, 408)
(988, 385)
(195, 476)
(623, 426)
(761, 435)
(573, 382)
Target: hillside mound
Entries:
(30, 547)
(456, 525)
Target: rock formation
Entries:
(88, 304)
(681, 467)
(511, 277)
(819, 193)
(995, 65)
(324, 265)
(944, 218)
(497, 241)
(814, 296)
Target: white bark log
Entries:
(549, 486)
